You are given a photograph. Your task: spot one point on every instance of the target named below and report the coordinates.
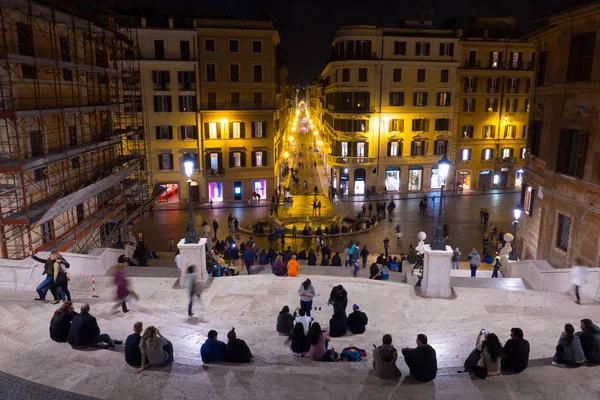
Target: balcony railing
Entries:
(353, 56)
(162, 86)
(350, 160)
(520, 65)
(215, 171)
(187, 86)
(351, 109)
(265, 105)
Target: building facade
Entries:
(561, 188)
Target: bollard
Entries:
(94, 287)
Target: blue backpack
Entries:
(353, 354)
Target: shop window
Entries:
(415, 178)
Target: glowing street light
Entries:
(286, 154)
(191, 236)
(439, 240)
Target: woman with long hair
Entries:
(569, 351)
(156, 350)
(298, 341)
(306, 291)
(491, 352)
(49, 267)
(317, 340)
(61, 322)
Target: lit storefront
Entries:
(260, 187)
(215, 191)
(415, 179)
(436, 182)
(171, 193)
(392, 178)
(359, 181)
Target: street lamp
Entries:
(517, 211)
(439, 239)
(191, 236)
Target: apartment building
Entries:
(71, 162)
(167, 50)
(244, 107)
(561, 186)
(493, 96)
(389, 109)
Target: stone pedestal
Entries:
(436, 272)
(193, 254)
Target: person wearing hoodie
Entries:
(474, 261)
(263, 258)
(590, 340)
(237, 351)
(285, 321)
(293, 267)
(338, 323)
(384, 360)
(312, 257)
(336, 260)
(213, 350)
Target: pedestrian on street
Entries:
(481, 215)
(370, 209)
(193, 287)
(354, 257)
(474, 260)
(121, 284)
(294, 232)
(315, 165)
(319, 207)
(386, 245)
(364, 254)
(215, 226)
(455, 258)
(421, 207)
(579, 277)
(486, 244)
(314, 205)
(347, 254)
(425, 207)
(496, 266)
(364, 211)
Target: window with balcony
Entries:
(487, 154)
(211, 100)
(488, 131)
(165, 161)
(421, 75)
(399, 48)
(397, 75)
(211, 73)
(233, 46)
(257, 73)
(214, 162)
(422, 48)
(512, 105)
(581, 57)
(363, 49)
(184, 50)
(444, 74)
(259, 129)
(492, 105)
(396, 98)
(396, 125)
(189, 132)
(394, 148)
(417, 148)
(472, 61)
(162, 104)
(507, 153)
(467, 131)
(442, 124)
(235, 100)
(161, 80)
(495, 59)
(257, 46)
(361, 149)
(465, 154)
(420, 125)
(344, 149)
(186, 80)
(209, 45)
(346, 75)
(159, 49)
(363, 74)
(444, 99)
(420, 99)
(258, 100)
(572, 150)
(164, 132)
(469, 105)
(440, 147)
(234, 73)
(510, 132)
(446, 49)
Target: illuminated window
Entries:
(465, 154)
(212, 130)
(344, 152)
(487, 154)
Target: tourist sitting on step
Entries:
(325, 260)
(237, 351)
(304, 320)
(516, 352)
(491, 351)
(279, 268)
(292, 266)
(285, 321)
(85, 332)
(421, 360)
(302, 255)
(312, 257)
(336, 260)
(263, 258)
(374, 272)
(317, 339)
(61, 322)
(357, 320)
(569, 351)
(133, 354)
(590, 340)
(156, 350)
(213, 350)
(338, 323)
(298, 343)
(384, 359)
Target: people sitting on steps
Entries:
(325, 260)
(302, 255)
(491, 351)
(213, 350)
(357, 320)
(155, 349)
(298, 343)
(293, 267)
(336, 260)
(569, 352)
(285, 321)
(312, 257)
(85, 332)
(279, 268)
(133, 354)
(589, 336)
(516, 352)
(338, 323)
(237, 351)
(384, 360)
(421, 360)
(317, 340)
(61, 322)
(374, 271)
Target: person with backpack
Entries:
(384, 359)
(317, 340)
(497, 263)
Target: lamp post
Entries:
(439, 239)
(191, 236)
(517, 214)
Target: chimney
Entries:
(171, 22)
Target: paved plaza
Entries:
(251, 303)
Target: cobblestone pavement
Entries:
(14, 388)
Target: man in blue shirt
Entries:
(213, 350)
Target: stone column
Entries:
(193, 254)
(436, 272)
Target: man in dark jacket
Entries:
(338, 323)
(213, 350)
(516, 352)
(422, 360)
(85, 332)
(338, 298)
(287, 255)
(312, 257)
(133, 355)
(61, 323)
(590, 340)
(357, 320)
(384, 360)
(237, 351)
(373, 271)
(48, 270)
(336, 260)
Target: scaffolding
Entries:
(72, 145)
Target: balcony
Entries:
(353, 56)
(265, 105)
(349, 160)
(187, 86)
(162, 86)
(215, 171)
(351, 109)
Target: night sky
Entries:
(308, 27)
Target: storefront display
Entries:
(260, 188)
(215, 191)
(436, 182)
(392, 178)
(171, 193)
(415, 179)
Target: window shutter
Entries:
(518, 85)
(587, 58)
(158, 133)
(516, 105)
(441, 49)
(414, 125)
(194, 104)
(500, 59)
(427, 48)
(182, 132)
(155, 103)
(170, 161)
(452, 49)
(507, 105)
(475, 84)
(366, 149)
(581, 142)
(169, 104)
(510, 59)
(390, 125)
(264, 158)
(426, 125)
(253, 130)
(220, 162)
(195, 132)
(389, 149)
(218, 130)
(401, 125)
(473, 103)
(231, 130)
(415, 99)
(180, 103)
(206, 131)
(491, 59)
(154, 76)
(396, 48)
(207, 161)
(438, 97)
(231, 160)
(264, 129)
(253, 159)
(563, 152)
(417, 49)
(168, 75)
(425, 99)
(465, 105)
(489, 84)
(445, 147)
(170, 132)
(243, 159)
(242, 130)
(160, 164)
(193, 76)
(179, 76)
